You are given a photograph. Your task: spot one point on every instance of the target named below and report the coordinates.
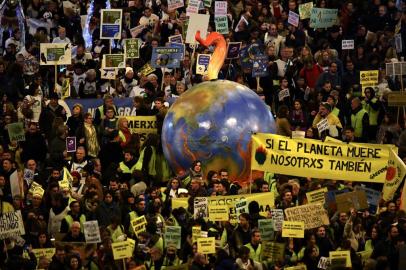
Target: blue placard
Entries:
(168, 57)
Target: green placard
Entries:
(132, 48)
(16, 132)
(221, 24)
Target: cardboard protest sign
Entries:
(197, 22)
(307, 157)
(142, 125)
(283, 93)
(172, 236)
(196, 233)
(373, 198)
(294, 229)
(11, 225)
(265, 200)
(340, 258)
(200, 208)
(323, 17)
(16, 184)
(316, 196)
(175, 4)
(396, 68)
(313, 215)
(92, 231)
(298, 134)
(218, 212)
(121, 250)
(266, 229)
(16, 132)
(355, 199)
(260, 66)
(221, 24)
(138, 224)
(323, 125)
(36, 189)
(233, 50)
(70, 144)
(135, 31)
(168, 57)
(324, 263)
(132, 48)
(202, 63)
(277, 217)
(176, 39)
(220, 8)
(43, 252)
(180, 46)
(330, 198)
(206, 245)
(347, 44)
(207, 3)
(55, 54)
(273, 251)
(305, 10)
(108, 73)
(146, 69)
(111, 20)
(241, 207)
(297, 267)
(369, 76)
(113, 61)
(193, 7)
(293, 18)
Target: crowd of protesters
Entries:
(116, 178)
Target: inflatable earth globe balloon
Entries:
(213, 122)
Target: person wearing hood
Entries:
(359, 121)
(128, 81)
(372, 106)
(107, 210)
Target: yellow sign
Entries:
(143, 125)
(369, 76)
(63, 184)
(313, 215)
(122, 250)
(340, 258)
(218, 212)
(206, 245)
(36, 189)
(316, 196)
(180, 202)
(273, 251)
(196, 233)
(297, 267)
(138, 225)
(265, 200)
(294, 229)
(307, 158)
(44, 252)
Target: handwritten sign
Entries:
(206, 245)
(313, 215)
(305, 10)
(323, 17)
(293, 18)
(294, 229)
(347, 44)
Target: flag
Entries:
(394, 176)
(67, 176)
(403, 199)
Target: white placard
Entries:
(293, 18)
(298, 134)
(92, 232)
(220, 8)
(197, 22)
(11, 225)
(323, 125)
(347, 44)
(283, 93)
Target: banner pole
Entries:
(56, 77)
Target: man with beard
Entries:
(126, 167)
(137, 212)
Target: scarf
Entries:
(92, 144)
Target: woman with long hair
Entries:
(75, 120)
(298, 117)
(283, 126)
(124, 133)
(88, 137)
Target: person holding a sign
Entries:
(327, 123)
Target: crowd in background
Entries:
(116, 178)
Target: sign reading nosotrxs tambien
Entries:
(312, 158)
